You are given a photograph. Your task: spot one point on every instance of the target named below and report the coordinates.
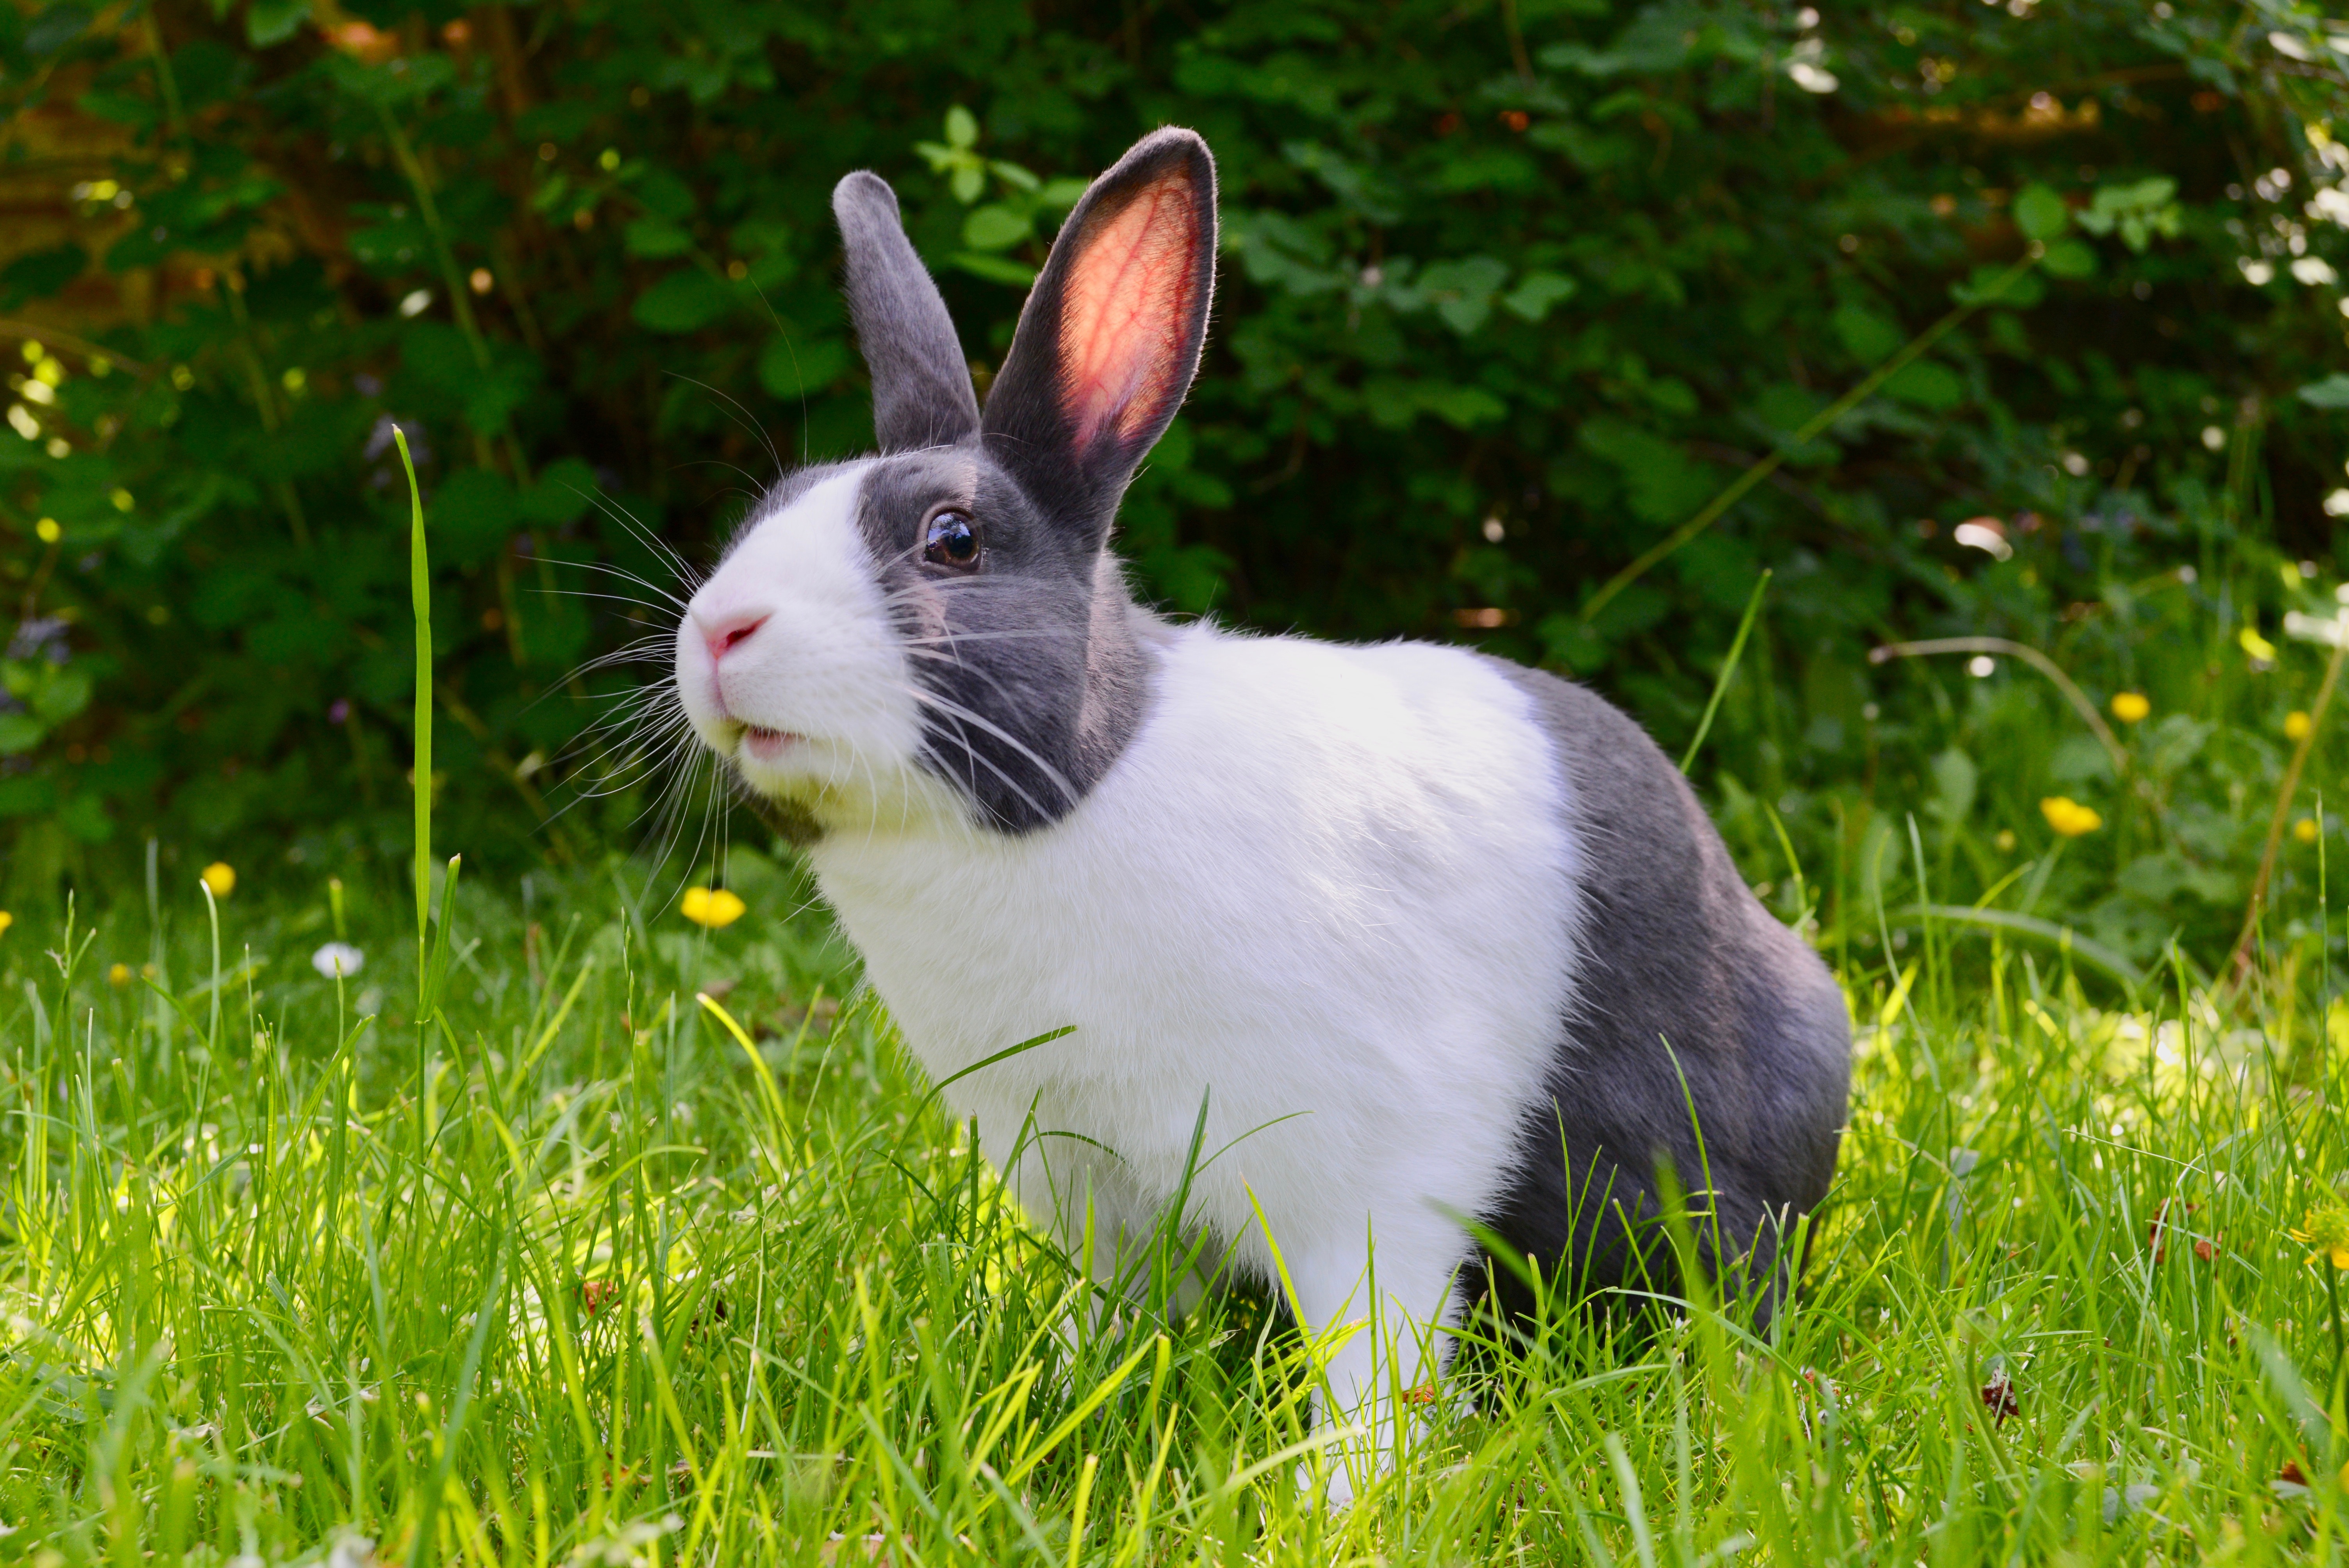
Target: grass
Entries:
(573, 1277)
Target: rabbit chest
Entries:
(1327, 893)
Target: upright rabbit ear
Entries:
(1110, 336)
(921, 384)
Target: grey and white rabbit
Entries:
(1433, 936)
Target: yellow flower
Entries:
(2259, 647)
(7, 920)
(2327, 1229)
(2005, 841)
(2068, 817)
(2296, 725)
(221, 877)
(2306, 829)
(119, 977)
(713, 908)
(2130, 707)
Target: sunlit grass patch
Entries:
(606, 1286)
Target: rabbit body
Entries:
(1326, 892)
(1428, 939)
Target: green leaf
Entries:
(1957, 779)
(268, 22)
(2068, 258)
(1927, 384)
(1871, 337)
(2333, 392)
(962, 128)
(41, 273)
(1463, 407)
(1663, 484)
(565, 489)
(494, 394)
(995, 269)
(2021, 293)
(64, 694)
(473, 515)
(19, 732)
(656, 239)
(2040, 213)
(996, 227)
(1461, 291)
(685, 300)
(1536, 292)
(791, 369)
(121, 108)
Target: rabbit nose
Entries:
(727, 630)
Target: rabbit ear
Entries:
(921, 384)
(1110, 336)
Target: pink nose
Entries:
(725, 631)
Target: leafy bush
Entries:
(1510, 291)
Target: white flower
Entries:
(2330, 202)
(2255, 272)
(2337, 503)
(2314, 270)
(1812, 79)
(338, 958)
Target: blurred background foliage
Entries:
(1511, 288)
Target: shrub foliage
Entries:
(1510, 291)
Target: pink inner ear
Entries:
(1126, 311)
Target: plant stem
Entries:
(2239, 962)
(2029, 655)
(1728, 669)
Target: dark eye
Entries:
(952, 540)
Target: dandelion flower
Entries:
(221, 877)
(2306, 829)
(709, 908)
(2296, 725)
(2327, 1229)
(336, 959)
(2068, 817)
(2261, 651)
(2130, 707)
(119, 977)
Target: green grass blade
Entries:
(1728, 672)
(420, 591)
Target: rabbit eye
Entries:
(952, 540)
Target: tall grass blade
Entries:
(419, 592)
(1728, 672)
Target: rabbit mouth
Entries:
(767, 745)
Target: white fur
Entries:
(825, 664)
(1327, 884)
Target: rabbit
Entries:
(1439, 942)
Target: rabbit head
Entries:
(939, 631)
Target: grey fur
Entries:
(1035, 676)
(1673, 951)
(1031, 666)
(922, 394)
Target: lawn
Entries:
(575, 1277)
